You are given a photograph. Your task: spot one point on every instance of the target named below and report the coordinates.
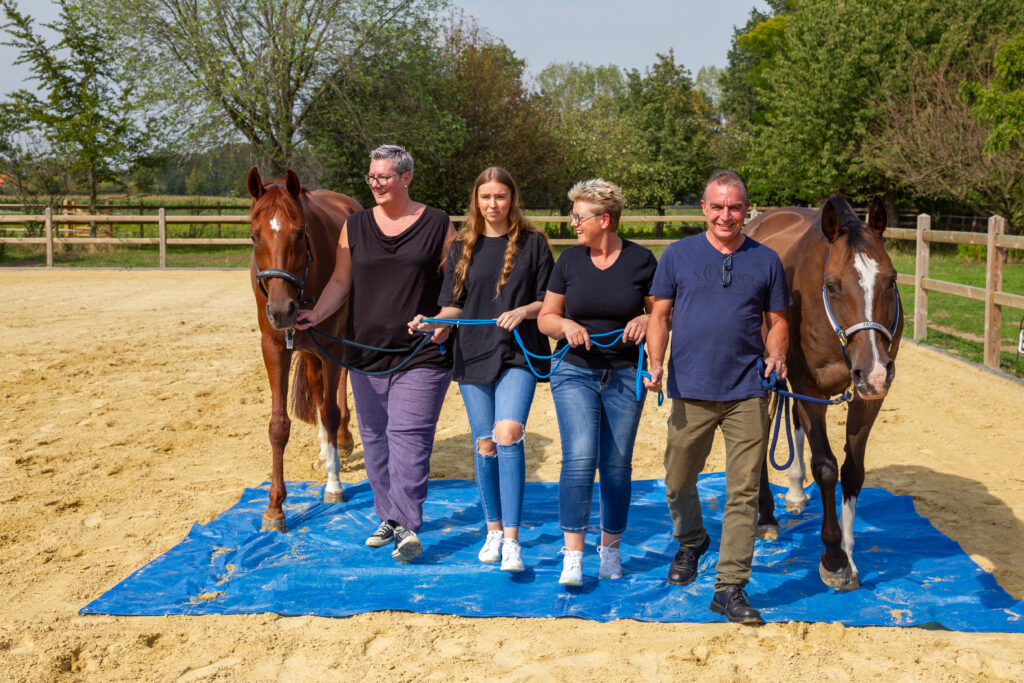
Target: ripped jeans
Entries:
(500, 476)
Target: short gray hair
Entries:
(601, 194)
(400, 160)
(726, 177)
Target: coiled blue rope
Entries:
(559, 355)
(774, 383)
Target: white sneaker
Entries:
(491, 552)
(511, 556)
(572, 568)
(611, 562)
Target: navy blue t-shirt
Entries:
(716, 330)
(603, 300)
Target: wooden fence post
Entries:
(48, 222)
(993, 284)
(924, 222)
(162, 222)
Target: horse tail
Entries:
(303, 406)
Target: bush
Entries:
(972, 252)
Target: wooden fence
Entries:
(995, 240)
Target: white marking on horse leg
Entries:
(275, 224)
(328, 458)
(849, 512)
(867, 268)
(796, 497)
(325, 442)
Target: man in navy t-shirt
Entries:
(717, 288)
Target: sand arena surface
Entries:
(135, 404)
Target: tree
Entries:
(458, 104)
(824, 90)
(250, 68)
(675, 126)
(1001, 103)
(86, 118)
(938, 148)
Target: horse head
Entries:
(860, 295)
(281, 249)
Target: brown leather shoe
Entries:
(683, 569)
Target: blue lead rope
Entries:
(774, 383)
(559, 355)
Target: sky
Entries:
(597, 32)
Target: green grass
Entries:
(958, 316)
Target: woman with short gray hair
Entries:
(602, 284)
(389, 266)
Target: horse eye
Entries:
(831, 288)
(252, 236)
(300, 233)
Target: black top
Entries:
(393, 279)
(603, 300)
(483, 352)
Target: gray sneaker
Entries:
(407, 544)
(382, 536)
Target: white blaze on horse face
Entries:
(275, 224)
(867, 269)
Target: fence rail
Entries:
(994, 239)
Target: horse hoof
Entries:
(768, 532)
(842, 580)
(273, 524)
(334, 496)
(795, 507)
(345, 451)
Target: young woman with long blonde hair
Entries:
(497, 267)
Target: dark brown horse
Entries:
(295, 238)
(845, 327)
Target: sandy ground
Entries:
(135, 404)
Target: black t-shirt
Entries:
(483, 352)
(603, 300)
(393, 279)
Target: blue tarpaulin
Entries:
(910, 574)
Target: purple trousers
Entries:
(397, 416)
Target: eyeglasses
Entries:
(577, 218)
(727, 270)
(379, 179)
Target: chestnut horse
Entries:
(295, 238)
(845, 328)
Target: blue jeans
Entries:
(598, 415)
(500, 478)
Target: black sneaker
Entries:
(732, 602)
(407, 544)
(683, 569)
(382, 536)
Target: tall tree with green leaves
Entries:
(456, 99)
(675, 126)
(1001, 101)
(223, 70)
(838, 63)
(83, 114)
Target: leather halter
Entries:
(844, 334)
(286, 275)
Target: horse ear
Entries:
(291, 181)
(255, 183)
(830, 225)
(877, 216)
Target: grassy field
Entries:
(955, 324)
